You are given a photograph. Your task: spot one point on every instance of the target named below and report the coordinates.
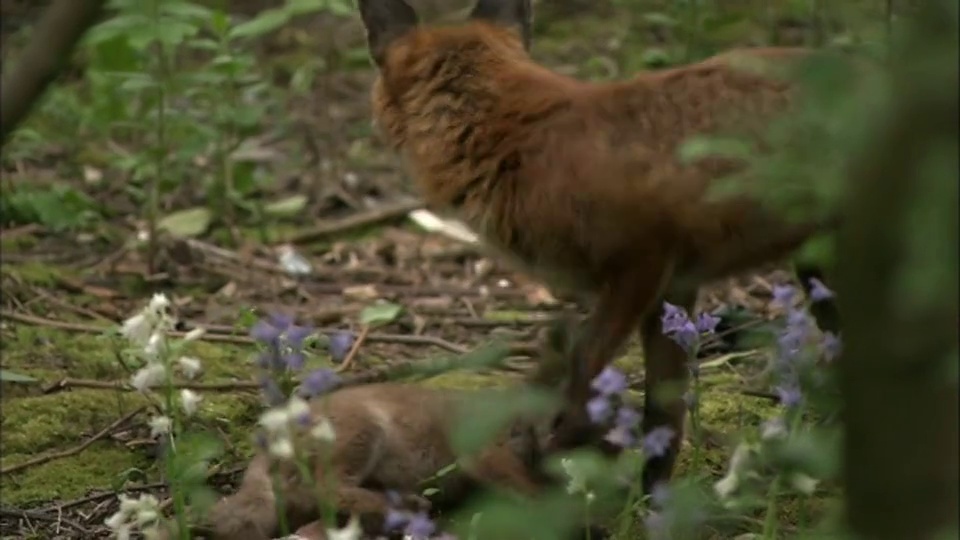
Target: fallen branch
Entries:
(380, 214)
(53, 40)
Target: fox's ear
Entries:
(515, 13)
(385, 21)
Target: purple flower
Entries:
(419, 526)
(673, 318)
(319, 382)
(685, 335)
(395, 519)
(783, 294)
(340, 344)
(295, 335)
(265, 332)
(294, 360)
(627, 417)
(789, 394)
(831, 346)
(610, 382)
(819, 291)
(599, 409)
(656, 442)
(707, 323)
(621, 436)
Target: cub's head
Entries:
(417, 62)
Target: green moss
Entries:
(97, 467)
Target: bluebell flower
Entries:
(818, 291)
(340, 344)
(657, 442)
(319, 382)
(610, 382)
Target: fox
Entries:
(579, 184)
(391, 436)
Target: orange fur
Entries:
(390, 436)
(578, 183)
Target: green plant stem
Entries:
(173, 473)
(281, 503)
(627, 516)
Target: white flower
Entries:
(275, 420)
(323, 431)
(727, 485)
(160, 425)
(773, 429)
(116, 520)
(297, 408)
(124, 532)
(153, 374)
(154, 344)
(190, 400)
(578, 481)
(803, 483)
(738, 462)
(128, 504)
(190, 366)
(350, 532)
(137, 329)
(158, 303)
(195, 334)
(281, 448)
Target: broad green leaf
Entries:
(190, 222)
(378, 314)
(289, 206)
(11, 376)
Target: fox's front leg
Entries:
(620, 306)
(666, 376)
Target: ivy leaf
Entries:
(188, 223)
(378, 314)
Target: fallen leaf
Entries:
(290, 206)
(190, 222)
(380, 313)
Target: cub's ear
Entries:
(515, 13)
(385, 21)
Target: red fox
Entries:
(579, 183)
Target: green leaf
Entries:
(301, 7)
(290, 206)
(700, 147)
(486, 416)
(11, 376)
(378, 314)
(190, 222)
(267, 21)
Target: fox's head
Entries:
(417, 62)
